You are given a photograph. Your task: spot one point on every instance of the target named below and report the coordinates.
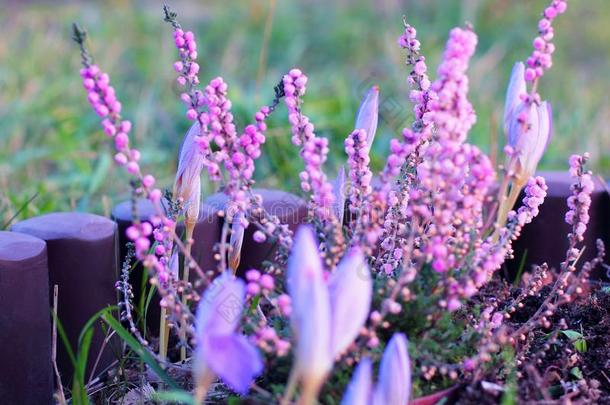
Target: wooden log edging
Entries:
(82, 261)
(26, 375)
(545, 239)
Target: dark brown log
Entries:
(205, 234)
(290, 209)
(82, 259)
(26, 374)
(545, 239)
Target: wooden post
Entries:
(26, 373)
(82, 259)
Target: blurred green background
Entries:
(51, 145)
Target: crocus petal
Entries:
(314, 358)
(359, 389)
(350, 296)
(220, 307)
(235, 360)
(394, 382)
(310, 317)
(368, 115)
(188, 176)
(516, 87)
(539, 140)
(339, 191)
(236, 241)
(303, 263)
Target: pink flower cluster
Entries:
(186, 66)
(490, 255)
(578, 203)
(102, 97)
(258, 282)
(421, 95)
(541, 58)
(359, 172)
(314, 149)
(454, 176)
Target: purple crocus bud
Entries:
(188, 176)
(339, 192)
(516, 88)
(220, 351)
(394, 381)
(529, 136)
(236, 241)
(310, 310)
(360, 387)
(368, 115)
(350, 289)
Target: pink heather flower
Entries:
(220, 349)
(514, 94)
(541, 58)
(259, 236)
(267, 282)
(314, 150)
(367, 116)
(359, 172)
(253, 275)
(326, 315)
(394, 381)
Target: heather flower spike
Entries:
(220, 350)
(516, 89)
(394, 380)
(367, 116)
(326, 316)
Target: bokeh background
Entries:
(53, 155)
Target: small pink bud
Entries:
(191, 114)
(120, 159)
(148, 181)
(133, 167)
(267, 282)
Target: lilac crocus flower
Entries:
(394, 380)
(326, 315)
(339, 191)
(237, 239)
(529, 135)
(516, 88)
(220, 350)
(367, 115)
(188, 176)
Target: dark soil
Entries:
(555, 368)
